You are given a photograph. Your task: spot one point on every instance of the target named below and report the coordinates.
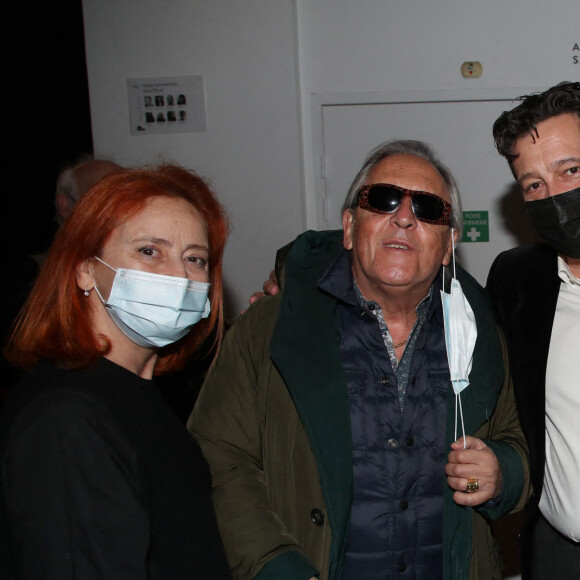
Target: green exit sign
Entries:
(475, 226)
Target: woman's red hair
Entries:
(55, 323)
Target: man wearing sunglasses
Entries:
(329, 419)
(536, 292)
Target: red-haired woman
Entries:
(99, 478)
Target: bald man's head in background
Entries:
(75, 181)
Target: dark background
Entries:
(46, 113)
(46, 126)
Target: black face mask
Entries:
(557, 220)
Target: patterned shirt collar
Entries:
(373, 306)
(401, 367)
(338, 281)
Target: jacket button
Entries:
(392, 443)
(409, 442)
(402, 567)
(317, 516)
(384, 381)
(404, 505)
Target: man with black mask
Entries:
(536, 292)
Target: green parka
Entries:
(273, 421)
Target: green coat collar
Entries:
(304, 349)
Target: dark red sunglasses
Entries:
(385, 198)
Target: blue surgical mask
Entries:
(460, 337)
(155, 310)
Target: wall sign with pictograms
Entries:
(475, 226)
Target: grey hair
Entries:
(66, 182)
(416, 149)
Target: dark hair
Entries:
(55, 323)
(535, 108)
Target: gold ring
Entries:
(472, 485)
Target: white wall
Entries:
(251, 150)
(263, 59)
(378, 46)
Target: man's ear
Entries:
(453, 235)
(347, 227)
(84, 275)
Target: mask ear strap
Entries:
(99, 295)
(453, 258)
(458, 400)
(105, 263)
(458, 405)
(453, 250)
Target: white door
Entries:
(459, 131)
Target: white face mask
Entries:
(155, 310)
(460, 337)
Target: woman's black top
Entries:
(99, 479)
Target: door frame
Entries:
(315, 202)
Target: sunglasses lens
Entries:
(386, 199)
(428, 207)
